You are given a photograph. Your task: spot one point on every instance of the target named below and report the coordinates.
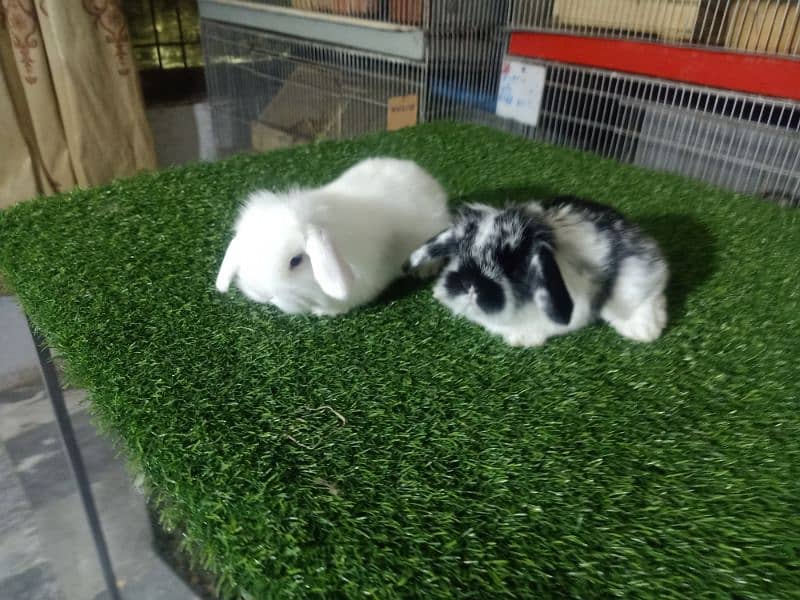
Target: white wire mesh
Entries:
(268, 91)
(746, 143)
(757, 26)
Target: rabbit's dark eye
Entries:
(295, 262)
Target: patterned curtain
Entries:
(71, 109)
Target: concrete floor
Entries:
(46, 552)
(182, 133)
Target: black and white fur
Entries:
(542, 269)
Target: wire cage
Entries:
(270, 88)
(718, 128)
(738, 141)
(754, 26)
(444, 59)
(268, 91)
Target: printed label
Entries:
(520, 93)
(402, 112)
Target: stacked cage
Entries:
(286, 72)
(735, 136)
(709, 89)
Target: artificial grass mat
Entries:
(397, 451)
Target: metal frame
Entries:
(373, 36)
(73, 452)
(747, 26)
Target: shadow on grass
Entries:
(402, 288)
(691, 252)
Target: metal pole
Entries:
(73, 452)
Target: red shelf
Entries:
(765, 75)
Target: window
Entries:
(165, 34)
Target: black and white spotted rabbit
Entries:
(542, 269)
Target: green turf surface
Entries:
(591, 467)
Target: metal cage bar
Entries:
(742, 142)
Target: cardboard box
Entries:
(764, 26)
(302, 110)
(449, 13)
(263, 137)
(668, 19)
(406, 12)
(316, 103)
(316, 5)
(356, 8)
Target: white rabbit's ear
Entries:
(230, 265)
(332, 273)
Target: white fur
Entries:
(637, 308)
(354, 235)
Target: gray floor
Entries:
(182, 133)
(46, 550)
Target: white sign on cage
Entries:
(520, 94)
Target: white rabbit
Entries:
(327, 250)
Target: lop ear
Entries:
(230, 265)
(442, 245)
(552, 297)
(332, 273)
